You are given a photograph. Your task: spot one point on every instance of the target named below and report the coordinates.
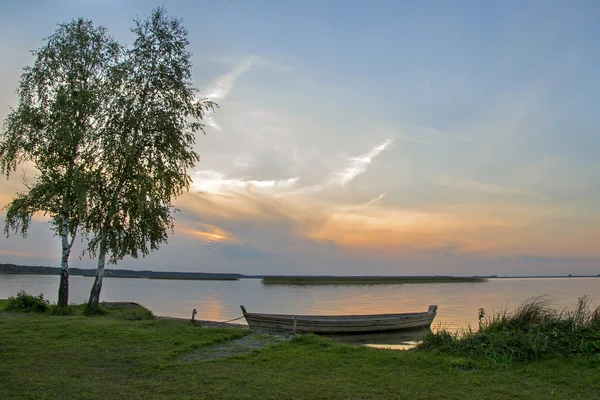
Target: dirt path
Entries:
(232, 348)
(235, 347)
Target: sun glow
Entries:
(209, 234)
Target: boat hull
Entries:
(341, 323)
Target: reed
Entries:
(191, 278)
(533, 331)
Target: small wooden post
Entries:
(294, 328)
(194, 312)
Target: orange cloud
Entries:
(209, 233)
(4, 252)
(501, 226)
(479, 228)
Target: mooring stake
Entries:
(194, 312)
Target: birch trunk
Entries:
(97, 286)
(63, 287)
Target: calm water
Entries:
(220, 300)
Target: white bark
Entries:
(97, 286)
(63, 288)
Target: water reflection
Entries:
(220, 300)
(211, 308)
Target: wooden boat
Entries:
(332, 324)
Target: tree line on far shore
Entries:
(12, 269)
(110, 130)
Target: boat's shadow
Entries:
(404, 338)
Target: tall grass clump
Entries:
(533, 331)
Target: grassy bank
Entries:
(364, 280)
(127, 353)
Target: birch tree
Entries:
(61, 109)
(146, 146)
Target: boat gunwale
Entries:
(337, 318)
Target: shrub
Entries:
(26, 302)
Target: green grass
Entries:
(534, 331)
(111, 356)
(363, 280)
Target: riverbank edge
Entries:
(166, 357)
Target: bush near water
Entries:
(27, 302)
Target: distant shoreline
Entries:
(12, 269)
(364, 280)
(117, 273)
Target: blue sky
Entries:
(383, 137)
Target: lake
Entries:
(220, 300)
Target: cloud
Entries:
(340, 178)
(5, 252)
(223, 85)
(208, 233)
(252, 219)
(411, 139)
(358, 165)
(459, 183)
(427, 135)
(303, 190)
(217, 239)
(363, 205)
(244, 161)
(214, 182)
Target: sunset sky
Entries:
(367, 137)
